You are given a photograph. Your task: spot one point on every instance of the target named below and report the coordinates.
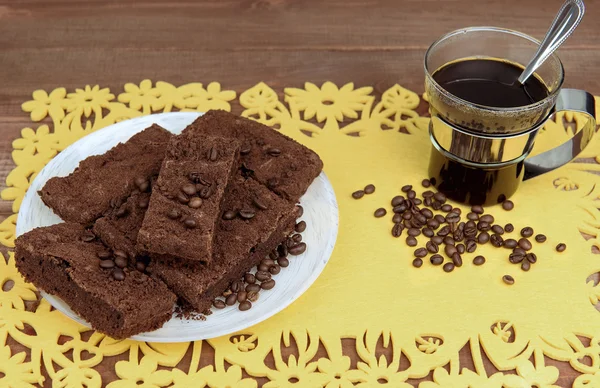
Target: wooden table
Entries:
(49, 43)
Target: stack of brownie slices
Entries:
(162, 219)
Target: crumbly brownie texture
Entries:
(105, 181)
(186, 201)
(275, 160)
(119, 228)
(58, 261)
(240, 244)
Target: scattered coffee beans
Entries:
(411, 241)
(436, 259)
(369, 189)
(540, 238)
(527, 231)
(358, 194)
(479, 260)
(509, 228)
(448, 267)
(508, 205)
(561, 247)
(508, 279)
(380, 212)
(300, 227)
(418, 262)
(245, 305)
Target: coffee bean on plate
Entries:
(297, 249)
(245, 305)
(253, 287)
(283, 262)
(267, 285)
(300, 227)
(231, 299)
(411, 241)
(253, 296)
(249, 278)
(219, 304)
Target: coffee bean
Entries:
(428, 194)
(461, 248)
(107, 264)
(439, 196)
(245, 305)
(231, 299)
(397, 218)
(432, 247)
(406, 188)
(510, 243)
(508, 205)
(300, 211)
(483, 238)
(452, 217)
(397, 230)
(508, 228)
(470, 231)
(437, 239)
(479, 260)
(444, 231)
(247, 214)
(411, 241)
(524, 243)
(420, 218)
(267, 262)
(358, 194)
(249, 278)
(416, 201)
(448, 240)
(397, 200)
(414, 232)
(275, 152)
(235, 287)
(525, 265)
(446, 208)
(229, 215)
(267, 285)
(300, 227)
(182, 198)
(425, 183)
(433, 224)
(297, 238)
(508, 279)
(189, 189)
(104, 255)
(242, 296)
(380, 212)
(401, 209)
(417, 262)
(477, 209)
(531, 257)
(472, 216)
(274, 270)
(439, 218)
(561, 247)
(121, 262)
(458, 234)
(189, 223)
(297, 249)
(428, 232)
(540, 238)
(369, 189)
(450, 250)
(140, 266)
(218, 304)
(457, 259)
(253, 295)
(436, 205)
(497, 240)
(421, 252)
(206, 192)
(484, 226)
(173, 214)
(88, 236)
(487, 218)
(252, 287)
(261, 276)
(411, 194)
(527, 231)
(118, 274)
(245, 149)
(195, 202)
(448, 267)
(283, 262)
(427, 213)
(471, 245)
(516, 257)
(436, 259)
(497, 229)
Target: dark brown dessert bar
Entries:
(64, 260)
(275, 160)
(186, 201)
(119, 228)
(253, 223)
(105, 181)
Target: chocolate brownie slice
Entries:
(61, 260)
(275, 160)
(119, 228)
(254, 222)
(105, 181)
(186, 202)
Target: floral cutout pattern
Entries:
(311, 114)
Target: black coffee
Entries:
(490, 82)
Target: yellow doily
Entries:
(369, 292)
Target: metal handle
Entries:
(565, 22)
(568, 100)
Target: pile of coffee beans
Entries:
(451, 234)
(245, 291)
(116, 261)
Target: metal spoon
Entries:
(565, 22)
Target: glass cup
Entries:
(480, 153)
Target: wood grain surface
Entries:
(50, 43)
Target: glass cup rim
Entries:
(499, 30)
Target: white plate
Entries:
(320, 213)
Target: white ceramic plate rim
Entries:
(154, 336)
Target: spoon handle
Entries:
(565, 22)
